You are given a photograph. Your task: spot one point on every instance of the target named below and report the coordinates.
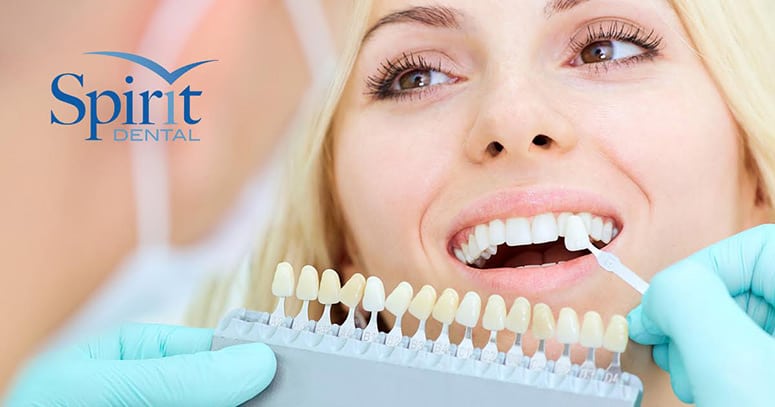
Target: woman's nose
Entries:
(520, 122)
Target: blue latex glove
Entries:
(711, 318)
(147, 365)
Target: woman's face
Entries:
(505, 114)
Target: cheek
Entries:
(387, 172)
(680, 146)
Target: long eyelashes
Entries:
(380, 85)
(614, 30)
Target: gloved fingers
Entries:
(227, 377)
(661, 357)
(149, 341)
(744, 262)
(690, 304)
(643, 330)
(679, 379)
(759, 310)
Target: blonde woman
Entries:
(652, 115)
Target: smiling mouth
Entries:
(517, 242)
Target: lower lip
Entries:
(532, 280)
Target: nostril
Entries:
(541, 141)
(495, 148)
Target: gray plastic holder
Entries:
(316, 369)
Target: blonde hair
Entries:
(732, 38)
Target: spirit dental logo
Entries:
(145, 129)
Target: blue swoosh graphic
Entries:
(168, 76)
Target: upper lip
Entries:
(528, 202)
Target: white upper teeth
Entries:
(484, 239)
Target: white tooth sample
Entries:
(328, 295)
(614, 233)
(518, 232)
(591, 330)
(591, 337)
(421, 308)
(561, 219)
(282, 287)
(373, 301)
(576, 237)
(615, 340)
(608, 231)
(306, 291)
(616, 335)
(587, 218)
(567, 334)
(517, 321)
(482, 234)
(397, 303)
(350, 295)
(468, 315)
(493, 320)
(567, 326)
(497, 232)
(444, 312)
(493, 250)
(469, 310)
(282, 284)
(374, 295)
(544, 228)
(596, 228)
(543, 329)
(460, 255)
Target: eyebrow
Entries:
(432, 16)
(556, 6)
(447, 17)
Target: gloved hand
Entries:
(711, 318)
(147, 365)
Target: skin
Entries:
(652, 137)
(68, 211)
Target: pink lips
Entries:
(527, 203)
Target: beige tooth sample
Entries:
(421, 308)
(350, 295)
(282, 287)
(329, 288)
(517, 321)
(615, 340)
(328, 295)
(591, 337)
(306, 291)
(493, 320)
(543, 328)
(576, 237)
(567, 326)
(373, 301)
(616, 335)
(397, 303)
(567, 334)
(468, 315)
(444, 312)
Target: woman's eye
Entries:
(602, 51)
(419, 78)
